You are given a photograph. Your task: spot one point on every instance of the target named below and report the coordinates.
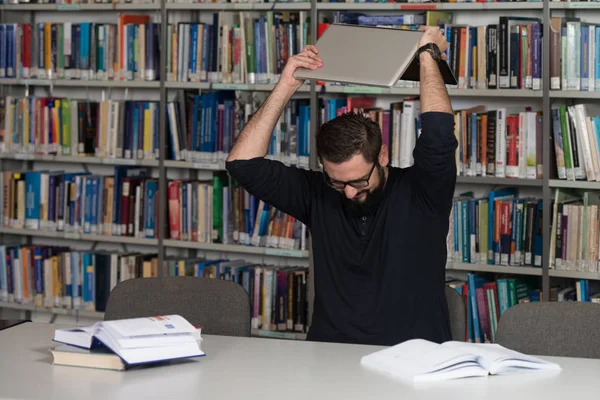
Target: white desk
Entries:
(254, 368)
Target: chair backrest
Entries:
(458, 314)
(561, 329)
(220, 307)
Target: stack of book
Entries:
(127, 343)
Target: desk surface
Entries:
(256, 368)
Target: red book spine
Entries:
(26, 51)
(174, 226)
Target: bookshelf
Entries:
(163, 89)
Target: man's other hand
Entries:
(433, 34)
(307, 58)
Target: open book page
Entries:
(500, 360)
(420, 360)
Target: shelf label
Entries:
(583, 4)
(230, 86)
(210, 166)
(242, 6)
(283, 252)
(417, 7)
(74, 236)
(68, 7)
(363, 89)
(119, 161)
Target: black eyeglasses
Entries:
(356, 183)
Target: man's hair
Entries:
(341, 138)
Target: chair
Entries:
(458, 314)
(220, 307)
(561, 329)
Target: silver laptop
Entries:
(367, 55)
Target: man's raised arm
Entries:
(434, 171)
(285, 188)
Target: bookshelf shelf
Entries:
(81, 83)
(559, 183)
(81, 7)
(79, 159)
(195, 165)
(574, 274)
(403, 91)
(575, 5)
(289, 6)
(490, 180)
(236, 248)
(497, 269)
(278, 334)
(80, 236)
(257, 87)
(225, 248)
(429, 6)
(573, 94)
(52, 310)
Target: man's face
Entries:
(359, 181)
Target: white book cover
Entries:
(583, 140)
(501, 143)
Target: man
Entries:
(378, 232)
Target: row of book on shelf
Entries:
(60, 277)
(243, 47)
(503, 142)
(499, 228)
(487, 298)
(503, 228)
(574, 240)
(576, 138)
(200, 127)
(215, 210)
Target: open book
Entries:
(138, 340)
(420, 360)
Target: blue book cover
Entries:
(150, 200)
(76, 278)
(3, 45)
(99, 221)
(84, 48)
(88, 200)
(193, 50)
(3, 275)
(32, 199)
(475, 282)
(493, 246)
(585, 56)
(206, 39)
(88, 279)
(39, 272)
(11, 38)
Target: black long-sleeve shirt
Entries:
(379, 279)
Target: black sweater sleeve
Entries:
(288, 189)
(433, 174)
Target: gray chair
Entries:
(220, 307)
(458, 314)
(561, 329)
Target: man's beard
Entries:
(372, 200)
